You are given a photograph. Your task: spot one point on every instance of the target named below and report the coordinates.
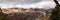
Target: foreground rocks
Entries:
(24, 14)
(27, 16)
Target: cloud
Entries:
(40, 4)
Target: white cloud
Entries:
(42, 4)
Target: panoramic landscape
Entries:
(29, 9)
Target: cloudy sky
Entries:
(46, 4)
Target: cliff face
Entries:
(25, 14)
(14, 10)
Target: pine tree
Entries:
(55, 14)
(2, 15)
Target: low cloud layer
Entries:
(33, 4)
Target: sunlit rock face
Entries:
(15, 10)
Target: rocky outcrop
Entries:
(25, 16)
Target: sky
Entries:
(46, 4)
